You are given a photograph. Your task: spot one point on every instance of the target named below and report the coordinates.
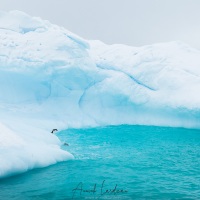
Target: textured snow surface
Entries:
(52, 78)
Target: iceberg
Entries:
(51, 78)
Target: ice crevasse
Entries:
(52, 78)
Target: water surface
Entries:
(125, 162)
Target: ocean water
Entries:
(116, 162)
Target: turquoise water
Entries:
(129, 162)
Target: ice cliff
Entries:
(51, 78)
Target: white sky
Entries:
(132, 22)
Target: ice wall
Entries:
(52, 78)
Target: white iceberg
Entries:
(52, 78)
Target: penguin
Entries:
(54, 130)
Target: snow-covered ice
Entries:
(52, 78)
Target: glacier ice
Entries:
(52, 78)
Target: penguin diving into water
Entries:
(54, 130)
